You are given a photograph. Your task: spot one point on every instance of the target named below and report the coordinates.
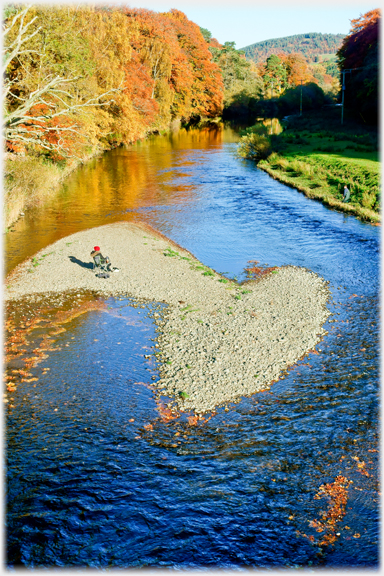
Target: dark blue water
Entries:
(96, 477)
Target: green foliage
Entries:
(275, 75)
(305, 164)
(311, 95)
(206, 34)
(242, 83)
(169, 252)
(331, 68)
(363, 182)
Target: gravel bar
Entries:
(218, 340)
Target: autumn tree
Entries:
(79, 78)
(359, 53)
(50, 89)
(298, 69)
(207, 86)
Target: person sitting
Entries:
(101, 264)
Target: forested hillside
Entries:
(310, 45)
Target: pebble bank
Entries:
(217, 340)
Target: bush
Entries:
(254, 146)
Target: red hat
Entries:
(96, 248)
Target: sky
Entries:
(248, 21)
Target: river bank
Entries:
(218, 340)
(275, 168)
(29, 181)
(318, 156)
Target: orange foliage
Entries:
(337, 495)
(297, 69)
(207, 87)
(364, 21)
(128, 72)
(255, 272)
(166, 414)
(177, 58)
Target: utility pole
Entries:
(301, 98)
(342, 95)
(271, 102)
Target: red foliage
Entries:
(363, 35)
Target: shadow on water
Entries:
(100, 475)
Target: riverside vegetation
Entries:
(120, 74)
(320, 151)
(317, 156)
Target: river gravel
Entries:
(217, 340)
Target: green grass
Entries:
(169, 252)
(321, 163)
(318, 156)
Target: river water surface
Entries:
(98, 476)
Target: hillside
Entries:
(310, 45)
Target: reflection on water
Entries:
(97, 476)
(153, 172)
(273, 125)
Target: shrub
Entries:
(254, 146)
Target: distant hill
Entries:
(310, 45)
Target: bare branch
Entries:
(33, 99)
(19, 15)
(20, 39)
(52, 97)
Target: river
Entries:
(98, 476)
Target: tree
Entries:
(275, 74)
(41, 105)
(297, 69)
(207, 35)
(359, 52)
(242, 83)
(207, 86)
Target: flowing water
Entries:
(99, 475)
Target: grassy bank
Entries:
(318, 156)
(28, 181)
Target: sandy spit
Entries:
(217, 341)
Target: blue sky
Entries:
(247, 21)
